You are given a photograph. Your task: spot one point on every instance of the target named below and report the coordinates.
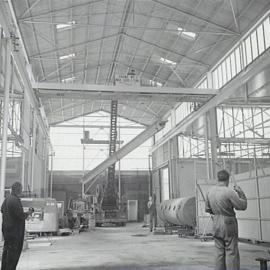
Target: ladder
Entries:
(113, 137)
(110, 197)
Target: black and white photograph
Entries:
(135, 134)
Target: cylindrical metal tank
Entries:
(180, 211)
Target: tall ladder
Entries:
(110, 197)
(113, 137)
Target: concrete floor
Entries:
(131, 247)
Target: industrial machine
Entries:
(106, 212)
(81, 211)
(45, 216)
(180, 211)
(109, 210)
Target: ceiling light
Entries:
(68, 79)
(67, 56)
(186, 34)
(65, 26)
(155, 83)
(167, 61)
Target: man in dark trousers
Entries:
(13, 227)
(221, 201)
(152, 212)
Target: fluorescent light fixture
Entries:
(67, 56)
(65, 26)
(186, 34)
(167, 61)
(155, 83)
(68, 79)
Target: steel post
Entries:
(7, 84)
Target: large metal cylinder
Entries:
(180, 211)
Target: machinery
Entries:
(81, 211)
(108, 208)
(181, 211)
(45, 216)
(109, 213)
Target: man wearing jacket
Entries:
(13, 227)
(221, 202)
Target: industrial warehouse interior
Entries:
(118, 118)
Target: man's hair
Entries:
(16, 186)
(223, 176)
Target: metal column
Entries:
(33, 154)
(8, 59)
(51, 175)
(212, 122)
(173, 167)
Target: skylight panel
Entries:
(65, 26)
(155, 83)
(70, 79)
(167, 61)
(186, 34)
(67, 56)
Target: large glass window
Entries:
(72, 154)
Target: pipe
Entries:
(180, 211)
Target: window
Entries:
(261, 39)
(238, 122)
(228, 69)
(224, 73)
(167, 61)
(220, 79)
(266, 27)
(238, 60)
(254, 45)
(165, 189)
(155, 83)
(67, 56)
(70, 79)
(182, 111)
(233, 65)
(65, 26)
(215, 79)
(220, 122)
(186, 34)
(248, 50)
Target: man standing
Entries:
(152, 212)
(13, 227)
(221, 202)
